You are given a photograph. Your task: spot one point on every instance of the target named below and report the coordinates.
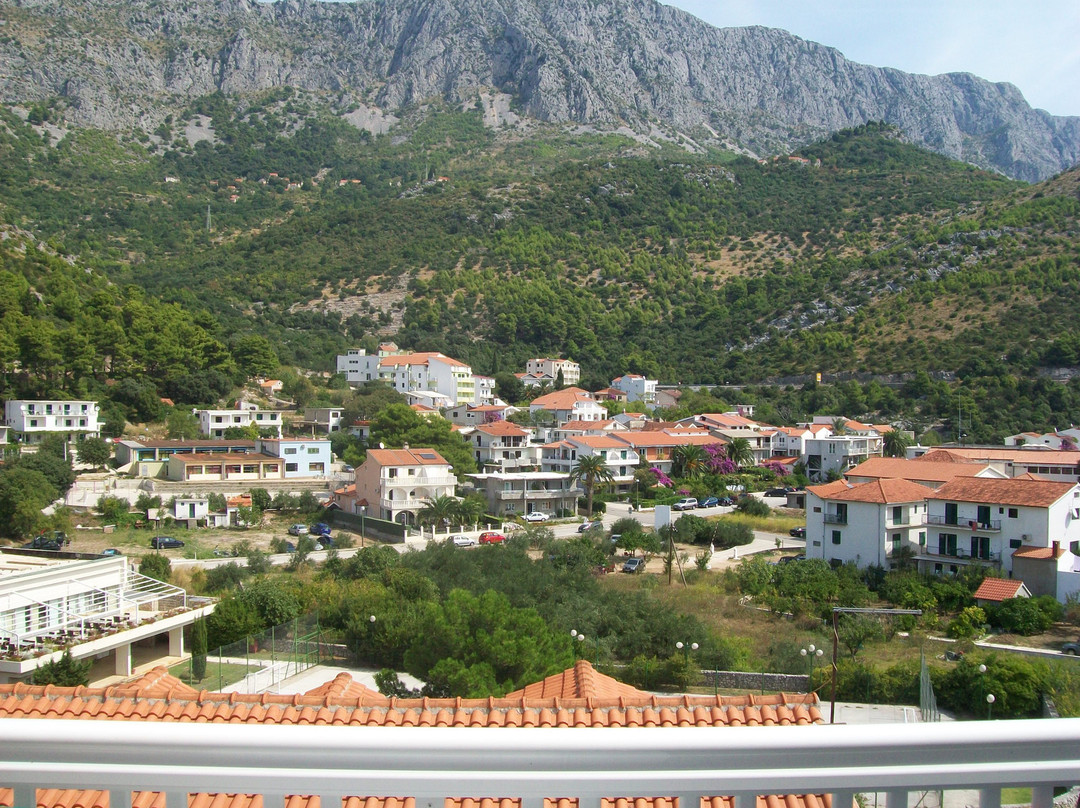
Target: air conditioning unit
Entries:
(1025, 537)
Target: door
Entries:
(191, 510)
(950, 513)
(984, 515)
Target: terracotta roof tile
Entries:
(1042, 457)
(564, 399)
(987, 490)
(997, 589)
(580, 681)
(880, 491)
(1040, 553)
(406, 457)
(918, 470)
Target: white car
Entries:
(462, 541)
(685, 504)
(298, 530)
(537, 516)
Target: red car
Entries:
(491, 537)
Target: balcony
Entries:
(961, 554)
(836, 518)
(588, 765)
(992, 526)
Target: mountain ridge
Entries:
(122, 64)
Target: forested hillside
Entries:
(282, 222)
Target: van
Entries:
(685, 504)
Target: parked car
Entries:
(1071, 648)
(460, 540)
(778, 492)
(165, 543)
(537, 516)
(727, 501)
(634, 564)
(43, 542)
(491, 537)
(319, 529)
(789, 559)
(589, 525)
(709, 502)
(327, 542)
(290, 547)
(298, 530)
(685, 504)
(111, 551)
(797, 532)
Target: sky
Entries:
(1034, 44)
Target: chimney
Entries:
(1057, 548)
(405, 446)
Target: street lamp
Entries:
(580, 637)
(686, 649)
(363, 510)
(990, 699)
(812, 652)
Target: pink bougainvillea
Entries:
(718, 462)
(661, 478)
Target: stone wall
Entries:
(740, 680)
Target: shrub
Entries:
(156, 566)
(64, 672)
(1024, 616)
(968, 624)
(752, 506)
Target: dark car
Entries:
(165, 543)
(44, 542)
(727, 500)
(111, 551)
(777, 492)
(709, 502)
(789, 559)
(587, 525)
(797, 532)
(326, 542)
(1071, 648)
(319, 529)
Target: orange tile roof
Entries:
(1041, 457)
(564, 399)
(502, 428)
(997, 589)
(987, 490)
(650, 438)
(406, 457)
(597, 441)
(160, 697)
(579, 682)
(588, 426)
(898, 468)
(419, 359)
(880, 491)
(1040, 553)
(828, 490)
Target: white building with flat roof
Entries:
(30, 420)
(213, 423)
(571, 370)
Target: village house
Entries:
(502, 445)
(570, 404)
(515, 493)
(571, 371)
(397, 483)
(636, 387)
(213, 423)
(30, 420)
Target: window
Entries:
(1016, 543)
(980, 547)
(314, 450)
(251, 469)
(1014, 513)
(836, 537)
(895, 542)
(983, 515)
(898, 514)
(290, 467)
(951, 514)
(317, 468)
(922, 538)
(291, 451)
(947, 544)
(233, 469)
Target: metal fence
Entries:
(259, 662)
(927, 700)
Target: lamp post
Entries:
(363, 510)
(580, 637)
(686, 649)
(990, 699)
(812, 652)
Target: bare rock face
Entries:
(609, 63)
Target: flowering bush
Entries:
(718, 462)
(661, 478)
(776, 468)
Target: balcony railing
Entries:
(962, 554)
(586, 764)
(835, 519)
(994, 525)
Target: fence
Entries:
(927, 700)
(364, 525)
(259, 662)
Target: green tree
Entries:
(23, 493)
(591, 471)
(64, 672)
(157, 566)
(231, 620)
(254, 356)
(740, 452)
(855, 630)
(439, 512)
(274, 600)
(198, 650)
(689, 460)
(94, 452)
(182, 425)
(894, 443)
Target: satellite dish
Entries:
(382, 445)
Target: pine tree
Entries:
(198, 650)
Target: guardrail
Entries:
(589, 764)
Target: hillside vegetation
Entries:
(862, 254)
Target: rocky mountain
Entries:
(122, 64)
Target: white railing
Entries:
(431, 763)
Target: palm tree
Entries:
(471, 510)
(739, 452)
(689, 460)
(590, 471)
(894, 443)
(439, 511)
(839, 425)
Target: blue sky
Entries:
(1033, 44)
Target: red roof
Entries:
(875, 491)
(406, 457)
(998, 589)
(986, 490)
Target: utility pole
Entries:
(207, 218)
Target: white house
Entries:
(620, 457)
(504, 445)
(397, 483)
(417, 372)
(569, 404)
(636, 387)
(323, 419)
(30, 421)
(866, 524)
(571, 370)
(300, 457)
(516, 493)
(474, 414)
(836, 454)
(977, 520)
(213, 423)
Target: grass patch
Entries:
(1016, 796)
(218, 675)
(767, 524)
